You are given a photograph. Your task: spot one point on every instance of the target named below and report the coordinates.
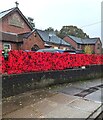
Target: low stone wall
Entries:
(15, 84)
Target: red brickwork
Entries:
(6, 26)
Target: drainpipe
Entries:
(60, 43)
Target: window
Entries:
(55, 47)
(7, 46)
(98, 46)
(78, 46)
(64, 48)
(35, 48)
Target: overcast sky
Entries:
(85, 14)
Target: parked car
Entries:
(79, 51)
(70, 51)
(74, 51)
(28, 51)
(52, 50)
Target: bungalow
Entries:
(16, 33)
(88, 45)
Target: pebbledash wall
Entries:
(16, 84)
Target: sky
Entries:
(85, 14)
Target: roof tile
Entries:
(52, 38)
(83, 41)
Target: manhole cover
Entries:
(86, 92)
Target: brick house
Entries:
(94, 44)
(51, 40)
(16, 33)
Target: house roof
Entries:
(13, 37)
(76, 39)
(51, 38)
(10, 11)
(26, 35)
(90, 40)
(9, 37)
(4, 13)
(83, 41)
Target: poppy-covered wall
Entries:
(23, 62)
(23, 71)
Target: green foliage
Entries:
(68, 30)
(31, 21)
(88, 49)
(72, 30)
(50, 29)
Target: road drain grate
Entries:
(86, 92)
(101, 86)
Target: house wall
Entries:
(15, 24)
(0, 45)
(98, 50)
(14, 46)
(31, 41)
(0, 24)
(71, 42)
(19, 26)
(93, 47)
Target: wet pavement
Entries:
(81, 99)
(14, 103)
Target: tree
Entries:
(88, 49)
(50, 29)
(72, 30)
(31, 21)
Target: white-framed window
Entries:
(55, 47)
(64, 48)
(7, 46)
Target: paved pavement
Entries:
(81, 99)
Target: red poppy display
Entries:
(21, 62)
